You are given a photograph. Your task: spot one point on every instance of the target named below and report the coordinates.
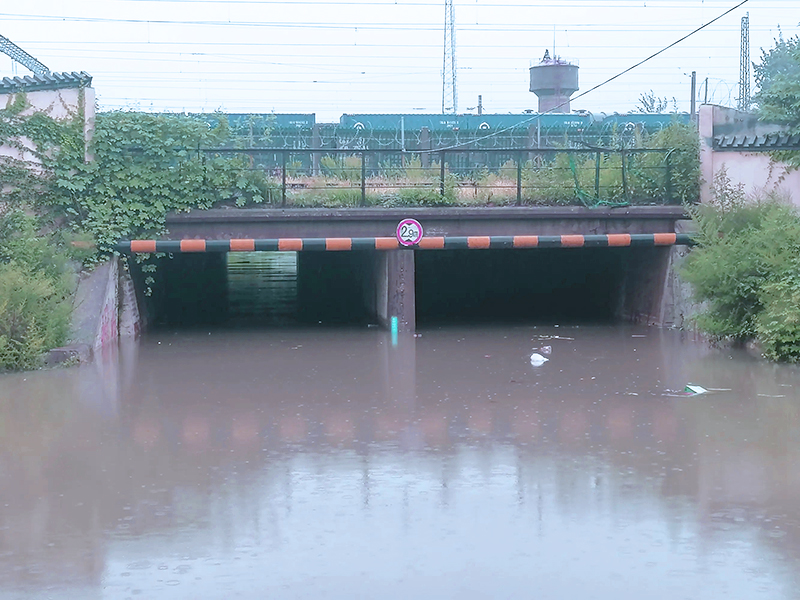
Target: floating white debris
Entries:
(695, 390)
(537, 360)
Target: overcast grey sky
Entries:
(381, 56)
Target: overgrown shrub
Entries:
(36, 282)
(745, 269)
(345, 168)
(684, 162)
(34, 316)
(778, 325)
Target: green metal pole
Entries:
(597, 176)
(441, 173)
(624, 177)
(668, 176)
(363, 179)
(519, 178)
(283, 179)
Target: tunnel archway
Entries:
(450, 286)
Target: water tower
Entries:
(554, 80)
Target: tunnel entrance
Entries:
(259, 289)
(576, 285)
(271, 289)
(517, 285)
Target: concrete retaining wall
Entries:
(678, 308)
(105, 309)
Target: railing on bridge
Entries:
(469, 177)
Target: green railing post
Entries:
(519, 178)
(363, 179)
(205, 170)
(441, 173)
(624, 177)
(668, 176)
(597, 176)
(283, 179)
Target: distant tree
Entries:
(778, 95)
(649, 103)
(777, 78)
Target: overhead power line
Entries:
(374, 26)
(607, 81)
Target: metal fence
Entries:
(479, 177)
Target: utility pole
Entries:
(449, 91)
(480, 104)
(22, 57)
(744, 65)
(693, 110)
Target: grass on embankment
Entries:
(37, 280)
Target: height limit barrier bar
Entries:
(612, 240)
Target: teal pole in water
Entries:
(394, 331)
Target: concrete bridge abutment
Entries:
(517, 263)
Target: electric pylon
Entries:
(449, 90)
(22, 57)
(744, 65)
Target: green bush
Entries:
(36, 281)
(427, 195)
(684, 163)
(744, 269)
(778, 325)
(345, 168)
(34, 316)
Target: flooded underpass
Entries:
(242, 448)
(317, 462)
(577, 285)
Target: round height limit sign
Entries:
(409, 232)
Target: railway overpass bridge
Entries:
(538, 260)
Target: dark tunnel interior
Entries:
(547, 285)
(269, 289)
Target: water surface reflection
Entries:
(306, 463)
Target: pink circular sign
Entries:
(409, 232)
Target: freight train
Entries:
(414, 132)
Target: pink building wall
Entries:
(59, 104)
(755, 171)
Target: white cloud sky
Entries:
(383, 56)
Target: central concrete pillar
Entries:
(395, 289)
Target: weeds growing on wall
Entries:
(745, 269)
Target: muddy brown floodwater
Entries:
(326, 463)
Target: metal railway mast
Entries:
(449, 90)
(744, 65)
(22, 57)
